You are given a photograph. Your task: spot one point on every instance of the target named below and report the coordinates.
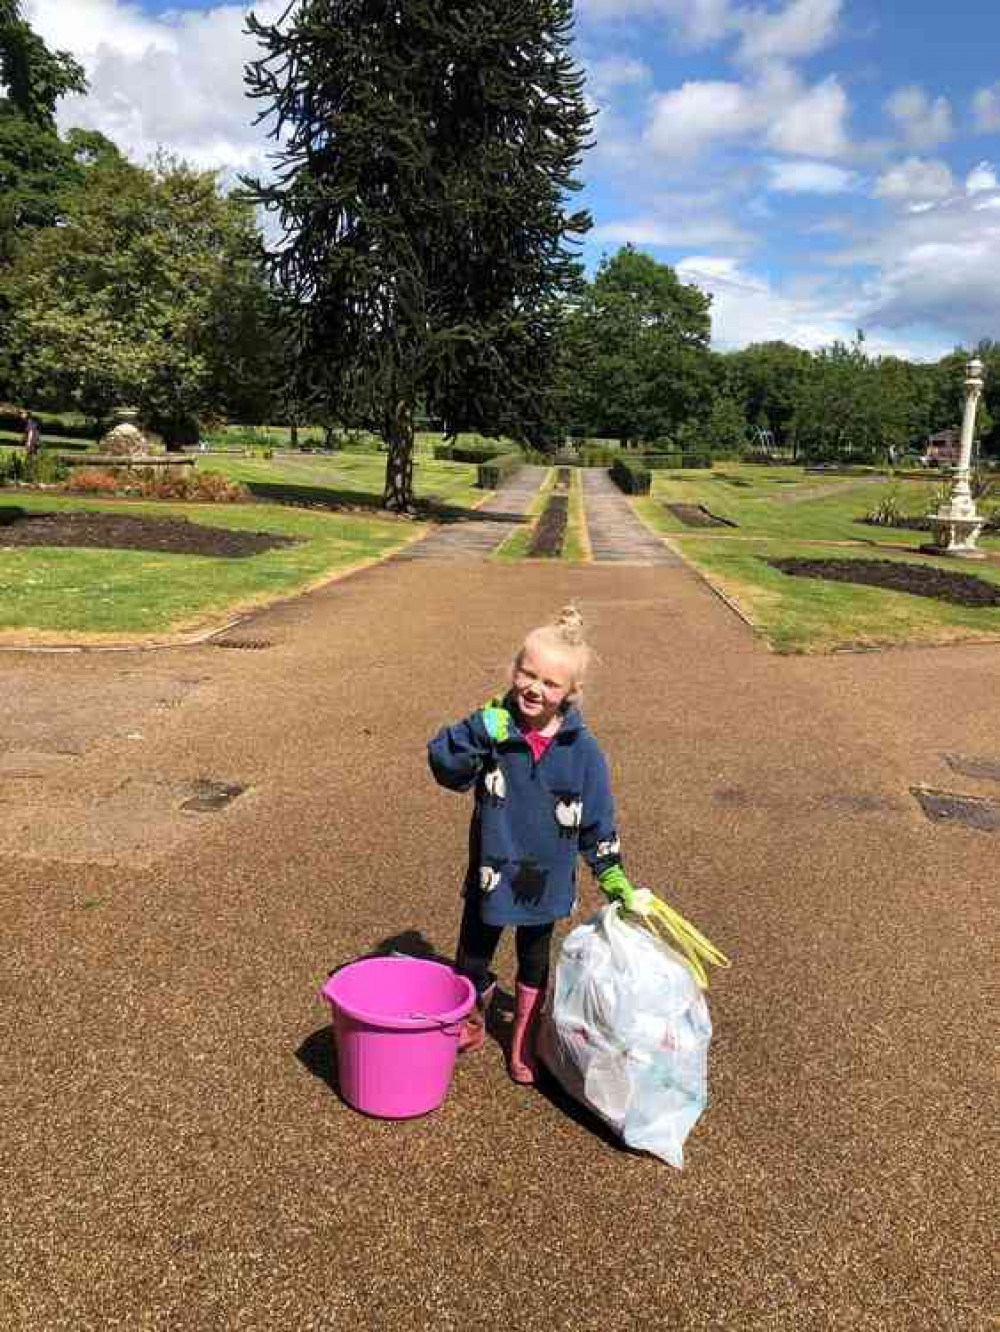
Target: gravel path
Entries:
(616, 534)
(172, 1156)
(478, 535)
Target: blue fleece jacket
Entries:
(531, 819)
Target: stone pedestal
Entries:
(956, 524)
(955, 534)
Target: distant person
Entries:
(542, 797)
(32, 438)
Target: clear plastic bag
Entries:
(626, 1032)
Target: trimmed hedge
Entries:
(470, 453)
(495, 470)
(631, 476)
(662, 461)
(50, 427)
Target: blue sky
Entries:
(818, 165)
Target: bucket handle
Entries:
(448, 1028)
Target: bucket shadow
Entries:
(317, 1053)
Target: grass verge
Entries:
(783, 512)
(88, 593)
(576, 548)
(348, 480)
(516, 545)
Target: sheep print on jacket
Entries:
(531, 818)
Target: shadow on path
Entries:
(316, 1053)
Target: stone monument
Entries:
(126, 439)
(956, 524)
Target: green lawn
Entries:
(810, 615)
(354, 479)
(64, 592)
(576, 547)
(237, 437)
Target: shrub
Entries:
(477, 453)
(495, 470)
(631, 476)
(887, 511)
(178, 484)
(598, 455)
(44, 469)
(93, 480)
(207, 487)
(243, 437)
(679, 461)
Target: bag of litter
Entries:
(626, 1032)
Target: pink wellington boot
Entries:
(473, 1033)
(527, 1007)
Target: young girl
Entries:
(542, 796)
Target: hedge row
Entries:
(495, 470)
(470, 453)
(661, 461)
(631, 476)
(51, 427)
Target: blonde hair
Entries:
(563, 634)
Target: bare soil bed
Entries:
(920, 580)
(696, 515)
(112, 531)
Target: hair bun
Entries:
(569, 622)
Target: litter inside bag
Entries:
(626, 1032)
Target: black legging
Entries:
(477, 943)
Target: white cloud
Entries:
(688, 119)
(981, 179)
(674, 228)
(916, 178)
(939, 268)
(801, 28)
(791, 117)
(923, 123)
(810, 178)
(814, 123)
(698, 22)
(747, 307)
(172, 81)
(793, 30)
(608, 74)
(986, 109)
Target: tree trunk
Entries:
(293, 435)
(398, 495)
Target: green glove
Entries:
(617, 887)
(497, 720)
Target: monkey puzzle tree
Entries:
(425, 154)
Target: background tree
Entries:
(37, 167)
(426, 154)
(151, 291)
(637, 348)
(768, 377)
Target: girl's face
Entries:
(542, 682)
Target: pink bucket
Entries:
(396, 1023)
